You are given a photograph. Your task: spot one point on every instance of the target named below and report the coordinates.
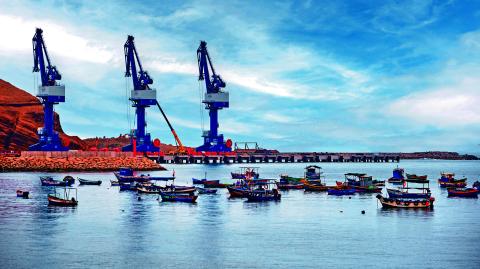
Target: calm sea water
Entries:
(304, 230)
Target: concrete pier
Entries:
(292, 157)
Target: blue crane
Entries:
(214, 100)
(142, 97)
(50, 93)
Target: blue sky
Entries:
(311, 75)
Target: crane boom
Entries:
(181, 148)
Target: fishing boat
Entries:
(246, 172)
(178, 197)
(114, 183)
(49, 181)
(446, 177)
(59, 199)
(405, 203)
(286, 184)
(420, 190)
(214, 184)
(206, 191)
(23, 194)
(361, 183)
(313, 172)
(89, 182)
(238, 191)
(447, 180)
(463, 192)
(340, 189)
(126, 174)
(397, 177)
(264, 191)
(378, 183)
(414, 176)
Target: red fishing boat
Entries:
(23, 194)
(464, 192)
(57, 199)
(461, 183)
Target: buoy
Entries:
(341, 211)
(139, 198)
(363, 211)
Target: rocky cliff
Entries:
(21, 114)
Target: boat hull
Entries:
(172, 197)
(467, 193)
(314, 187)
(407, 204)
(257, 197)
(23, 194)
(452, 184)
(55, 201)
(340, 192)
(238, 192)
(89, 182)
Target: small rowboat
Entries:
(455, 184)
(468, 192)
(206, 191)
(57, 199)
(402, 203)
(176, 197)
(23, 194)
(89, 182)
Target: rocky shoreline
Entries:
(76, 164)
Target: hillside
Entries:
(21, 114)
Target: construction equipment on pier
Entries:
(180, 148)
(50, 93)
(142, 97)
(215, 99)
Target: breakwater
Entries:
(75, 161)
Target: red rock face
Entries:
(21, 114)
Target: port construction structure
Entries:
(50, 92)
(142, 96)
(215, 99)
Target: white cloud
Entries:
(59, 40)
(447, 106)
(279, 118)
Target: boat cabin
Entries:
(313, 172)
